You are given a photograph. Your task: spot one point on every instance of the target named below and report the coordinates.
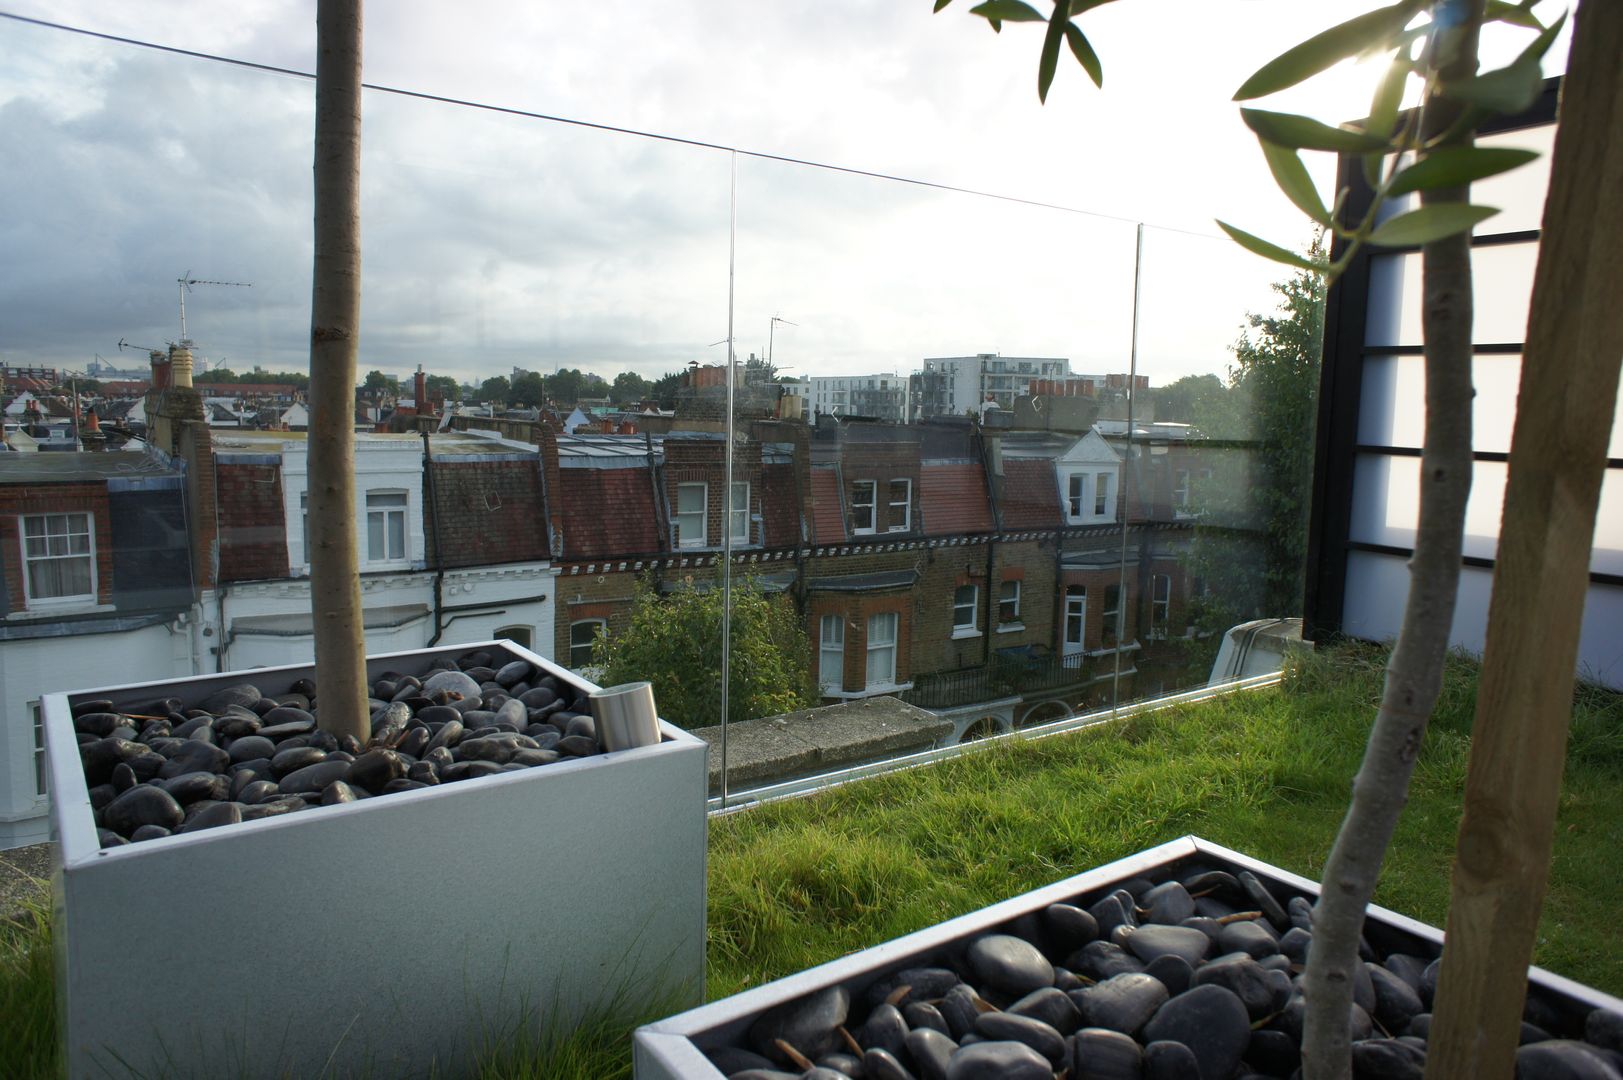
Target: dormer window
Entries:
(900, 518)
(690, 504)
(862, 506)
(59, 559)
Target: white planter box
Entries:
(383, 936)
(672, 1049)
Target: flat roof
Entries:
(63, 467)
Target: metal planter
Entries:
(385, 937)
(673, 1049)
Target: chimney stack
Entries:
(180, 365)
(420, 393)
(160, 370)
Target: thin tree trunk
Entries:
(335, 315)
(1557, 461)
(1414, 673)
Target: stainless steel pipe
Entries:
(625, 716)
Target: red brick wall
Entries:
(704, 461)
(488, 512)
(26, 499)
(252, 517)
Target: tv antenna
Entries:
(184, 285)
(122, 345)
(772, 329)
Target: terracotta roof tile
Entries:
(1030, 494)
(828, 511)
(606, 512)
(953, 499)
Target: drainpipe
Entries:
(991, 545)
(439, 551)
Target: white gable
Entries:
(1090, 449)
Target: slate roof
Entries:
(953, 499)
(606, 512)
(828, 510)
(1030, 494)
(780, 517)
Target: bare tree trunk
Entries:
(1414, 673)
(335, 316)
(1557, 461)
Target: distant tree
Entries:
(528, 388)
(377, 381)
(663, 390)
(565, 387)
(1194, 399)
(759, 370)
(443, 386)
(495, 390)
(593, 382)
(674, 641)
(219, 375)
(1251, 542)
(629, 388)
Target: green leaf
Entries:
(1008, 11)
(939, 4)
(1515, 14)
(1291, 176)
(1511, 89)
(1430, 223)
(1084, 54)
(1258, 246)
(1452, 166)
(1325, 50)
(1383, 108)
(1051, 42)
(1306, 133)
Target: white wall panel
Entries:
(1519, 193)
(1503, 277)
(1392, 406)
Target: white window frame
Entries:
(883, 646)
(1078, 645)
(1077, 488)
(1008, 607)
(587, 644)
(41, 773)
(906, 503)
(686, 522)
(741, 512)
(1101, 495)
(831, 653)
(1180, 488)
(961, 626)
(1160, 606)
(385, 512)
(860, 506)
(89, 555)
(1109, 617)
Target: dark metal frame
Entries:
(1341, 377)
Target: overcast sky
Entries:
(493, 241)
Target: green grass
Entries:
(801, 882)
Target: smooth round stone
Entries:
(1122, 1003)
(257, 792)
(957, 1008)
(148, 832)
(820, 1073)
(1150, 941)
(337, 792)
(147, 766)
(1068, 928)
(1248, 937)
(884, 1030)
(314, 777)
(1098, 1054)
(1363, 988)
(930, 1051)
(402, 784)
(243, 694)
(101, 795)
(581, 725)
(237, 725)
(213, 816)
(999, 1061)
(538, 697)
(922, 1015)
(1396, 1002)
(99, 724)
(1112, 912)
(1169, 1060)
(1273, 1053)
(1257, 893)
(449, 734)
(249, 747)
(191, 728)
(193, 787)
(515, 672)
(844, 1064)
(414, 742)
(469, 770)
(389, 725)
(123, 777)
(1428, 982)
(1295, 942)
(142, 805)
(1563, 1059)
(292, 760)
(422, 772)
(1173, 972)
(288, 716)
(1219, 882)
(880, 1064)
(195, 755)
(87, 707)
(531, 758)
(1604, 1028)
(806, 1024)
(100, 757)
(577, 746)
(1101, 960)
(1007, 1027)
(1168, 903)
(734, 1059)
(763, 1074)
(1053, 1007)
(1243, 977)
(1008, 963)
(512, 711)
(374, 769)
(490, 748)
(1211, 1021)
(108, 838)
(1388, 1059)
(282, 804)
(455, 683)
